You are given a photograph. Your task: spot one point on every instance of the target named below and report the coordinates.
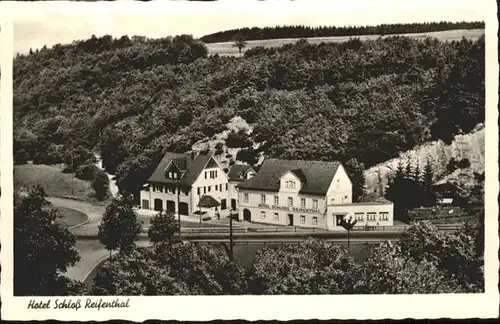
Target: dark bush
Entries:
(239, 139)
(248, 155)
(463, 163)
(100, 185)
(86, 172)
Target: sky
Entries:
(47, 23)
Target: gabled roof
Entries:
(238, 171)
(316, 176)
(207, 201)
(192, 167)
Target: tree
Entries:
(408, 173)
(164, 228)
(43, 249)
(119, 227)
(240, 42)
(452, 253)
(311, 267)
(174, 268)
(427, 182)
(100, 184)
(355, 170)
(388, 271)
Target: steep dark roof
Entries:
(316, 176)
(208, 201)
(191, 167)
(237, 172)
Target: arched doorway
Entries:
(158, 204)
(183, 208)
(247, 215)
(171, 206)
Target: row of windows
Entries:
(211, 174)
(276, 217)
(276, 201)
(371, 216)
(165, 189)
(303, 201)
(217, 187)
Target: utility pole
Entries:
(179, 204)
(231, 255)
(72, 175)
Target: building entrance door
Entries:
(290, 219)
(183, 208)
(223, 204)
(233, 204)
(171, 206)
(158, 204)
(247, 216)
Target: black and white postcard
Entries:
(252, 160)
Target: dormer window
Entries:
(290, 184)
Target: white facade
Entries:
(211, 181)
(285, 207)
(340, 190)
(366, 214)
(289, 207)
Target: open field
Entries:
(226, 48)
(71, 217)
(54, 181)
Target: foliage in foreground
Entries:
(425, 261)
(119, 226)
(170, 269)
(164, 228)
(43, 249)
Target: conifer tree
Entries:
(408, 174)
(416, 172)
(427, 181)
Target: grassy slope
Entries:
(53, 180)
(470, 146)
(226, 48)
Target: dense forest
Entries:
(257, 33)
(130, 99)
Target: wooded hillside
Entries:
(130, 99)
